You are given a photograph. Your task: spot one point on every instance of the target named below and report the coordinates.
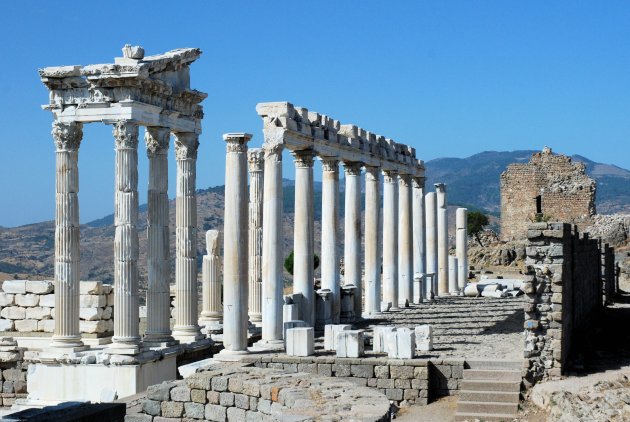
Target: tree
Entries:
(288, 263)
(477, 221)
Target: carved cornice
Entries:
(157, 140)
(126, 134)
(390, 176)
(352, 168)
(304, 158)
(186, 145)
(67, 136)
(330, 164)
(255, 159)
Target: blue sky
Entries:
(449, 78)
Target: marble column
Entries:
(158, 238)
(419, 245)
(255, 158)
(126, 247)
(431, 239)
(303, 236)
(452, 275)
(461, 241)
(390, 238)
(352, 227)
(272, 259)
(212, 308)
(67, 137)
(330, 233)
(186, 328)
(235, 244)
(405, 241)
(372, 241)
(442, 236)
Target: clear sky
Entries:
(449, 78)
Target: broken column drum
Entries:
(212, 308)
(442, 239)
(419, 242)
(431, 240)
(461, 240)
(255, 158)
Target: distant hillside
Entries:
(474, 181)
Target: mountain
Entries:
(474, 181)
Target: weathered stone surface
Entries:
(194, 410)
(93, 326)
(91, 314)
(152, 407)
(180, 393)
(39, 287)
(91, 287)
(26, 325)
(171, 409)
(38, 312)
(215, 413)
(14, 286)
(92, 301)
(26, 300)
(7, 299)
(13, 312)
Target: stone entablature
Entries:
(550, 187)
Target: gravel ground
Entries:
(465, 327)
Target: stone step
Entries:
(486, 385)
(487, 407)
(515, 365)
(482, 417)
(490, 396)
(492, 375)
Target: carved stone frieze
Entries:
(67, 136)
(186, 145)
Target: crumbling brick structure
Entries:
(550, 187)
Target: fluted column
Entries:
(255, 158)
(372, 241)
(330, 233)
(158, 291)
(461, 239)
(419, 254)
(186, 328)
(431, 236)
(390, 238)
(352, 240)
(126, 247)
(272, 259)
(212, 308)
(442, 230)
(303, 247)
(235, 244)
(67, 137)
(405, 241)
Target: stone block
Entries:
(171, 409)
(395, 394)
(226, 399)
(381, 371)
(385, 306)
(401, 343)
(93, 326)
(424, 338)
(47, 300)
(92, 301)
(401, 372)
(378, 341)
(241, 401)
(362, 371)
(290, 312)
(198, 396)
(110, 299)
(46, 325)
(7, 325)
(235, 385)
(26, 325)
(291, 324)
(13, 312)
(235, 414)
(220, 384)
(160, 392)
(349, 344)
(152, 407)
(91, 314)
(213, 397)
(324, 369)
(14, 286)
(299, 341)
(39, 287)
(38, 312)
(27, 300)
(107, 312)
(384, 383)
(7, 299)
(91, 287)
(180, 393)
(194, 410)
(330, 334)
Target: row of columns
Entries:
(127, 340)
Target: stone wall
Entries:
(564, 294)
(28, 306)
(609, 274)
(241, 392)
(566, 194)
(12, 372)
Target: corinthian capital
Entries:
(157, 139)
(273, 151)
(67, 136)
(303, 159)
(255, 159)
(330, 164)
(186, 145)
(236, 142)
(404, 180)
(418, 182)
(372, 173)
(390, 176)
(353, 168)
(126, 134)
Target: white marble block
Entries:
(91, 314)
(289, 312)
(6, 299)
(349, 344)
(45, 325)
(14, 286)
(38, 312)
(286, 325)
(26, 300)
(330, 334)
(6, 325)
(93, 326)
(378, 341)
(26, 325)
(39, 286)
(385, 306)
(92, 301)
(424, 338)
(47, 300)
(13, 312)
(401, 344)
(300, 341)
(91, 287)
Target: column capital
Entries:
(303, 158)
(67, 136)
(236, 142)
(255, 159)
(390, 176)
(372, 173)
(186, 145)
(330, 164)
(440, 187)
(126, 134)
(273, 151)
(157, 139)
(352, 168)
(404, 179)
(418, 182)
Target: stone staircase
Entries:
(489, 391)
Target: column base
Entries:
(211, 326)
(153, 344)
(124, 349)
(256, 320)
(188, 334)
(72, 343)
(226, 355)
(267, 346)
